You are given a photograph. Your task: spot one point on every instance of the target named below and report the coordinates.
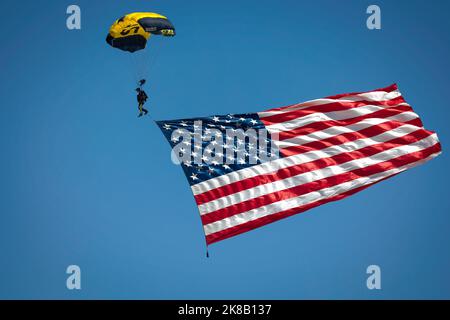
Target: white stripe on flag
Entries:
(328, 116)
(311, 176)
(275, 165)
(377, 96)
(338, 130)
(304, 199)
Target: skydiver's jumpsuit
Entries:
(142, 98)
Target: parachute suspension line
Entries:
(148, 58)
(145, 61)
(141, 57)
(134, 70)
(152, 56)
(155, 46)
(130, 70)
(140, 65)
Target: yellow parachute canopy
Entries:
(131, 32)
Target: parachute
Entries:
(132, 32)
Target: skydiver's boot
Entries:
(145, 111)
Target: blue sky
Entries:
(85, 182)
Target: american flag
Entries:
(327, 149)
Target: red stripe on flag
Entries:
(250, 225)
(318, 184)
(346, 137)
(296, 169)
(390, 88)
(322, 125)
(328, 107)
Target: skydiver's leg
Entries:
(145, 110)
(140, 109)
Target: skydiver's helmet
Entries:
(138, 89)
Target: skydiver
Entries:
(141, 98)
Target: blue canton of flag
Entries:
(197, 172)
